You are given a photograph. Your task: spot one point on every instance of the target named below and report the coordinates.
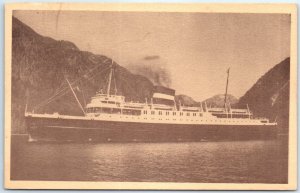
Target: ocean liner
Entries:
(110, 118)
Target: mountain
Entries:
(215, 101)
(269, 96)
(218, 100)
(185, 100)
(40, 65)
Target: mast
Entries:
(201, 107)
(109, 79)
(225, 99)
(248, 111)
(76, 97)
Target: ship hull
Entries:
(59, 129)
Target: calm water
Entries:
(239, 161)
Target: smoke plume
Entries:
(154, 68)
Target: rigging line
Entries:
(45, 102)
(76, 82)
(82, 109)
(57, 92)
(102, 87)
(36, 108)
(60, 87)
(90, 81)
(65, 89)
(90, 71)
(51, 99)
(83, 96)
(91, 78)
(57, 97)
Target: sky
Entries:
(194, 49)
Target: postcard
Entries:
(151, 96)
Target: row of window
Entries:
(113, 111)
(224, 121)
(134, 112)
(110, 102)
(232, 115)
(145, 112)
(138, 112)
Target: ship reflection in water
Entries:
(208, 162)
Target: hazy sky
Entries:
(195, 48)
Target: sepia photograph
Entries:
(150, 96)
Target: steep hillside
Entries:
(40, 65)
(269, 96)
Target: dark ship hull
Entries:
(60, 129)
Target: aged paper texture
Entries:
(151, 96)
